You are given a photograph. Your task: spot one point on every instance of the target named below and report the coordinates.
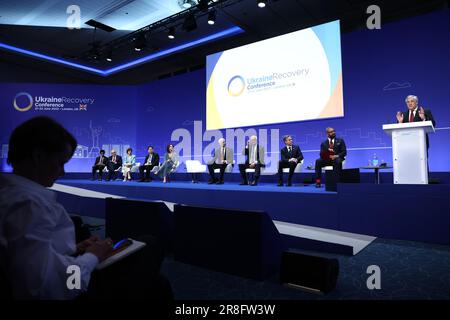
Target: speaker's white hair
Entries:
(412, 97)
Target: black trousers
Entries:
(213, 166)
(135, 277)
(320, 163)
(243, 166)
(112, 173)
(286, 164)
(99, 168)
(147, 169)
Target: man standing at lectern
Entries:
(415, 113)
(332, 153)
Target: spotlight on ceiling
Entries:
(109, 56)
(212, 17)
(94, 53)
(171, 34)
(188, 3)
(139, 42)
(190, 23)
(261, 3)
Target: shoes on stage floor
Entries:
(243, 183)
(141, 180)
(254, 183)
(280, 183)
(318, 183)
(289, 184)
(212, 181)
(219, 182)
(149, 180)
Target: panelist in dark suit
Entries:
(114, 163)
(151, 161)
(332, 152)
(415, 113)
(254, 154)
(223, 156)
(291, 155)
(100, 163)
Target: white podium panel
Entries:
(409, 151)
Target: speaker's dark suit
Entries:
(339, 149)
(428, 117)
(284, 162)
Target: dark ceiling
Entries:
(278, 17)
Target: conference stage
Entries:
(406, 212)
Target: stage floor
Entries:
(227, 186)
(406, 212)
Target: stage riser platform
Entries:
(386, 177)
(407, 212)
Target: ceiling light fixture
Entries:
(212, 17)
(261, 3)
(171, 34)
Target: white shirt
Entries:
(253, 154)
(414, 113)
(149, 160)
(221, 156)
(37, 239)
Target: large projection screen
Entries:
(293, 77)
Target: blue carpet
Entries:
(409, 270)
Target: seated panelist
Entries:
(332, 153)
(100, 163)
(114, 163)
(222, 157)
(151, 161)
(128, 163)
(254, 159)
(291, 155)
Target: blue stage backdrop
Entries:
(380, 68)
(98, 116)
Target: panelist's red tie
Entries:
(411, 116)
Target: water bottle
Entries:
(375, 160)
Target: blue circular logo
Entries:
(30, 102)
(236, 86)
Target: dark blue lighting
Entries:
(127, 65)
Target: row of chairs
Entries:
(135, 168)
(195, 167)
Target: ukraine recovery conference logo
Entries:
(26, 107)
(236, 86)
